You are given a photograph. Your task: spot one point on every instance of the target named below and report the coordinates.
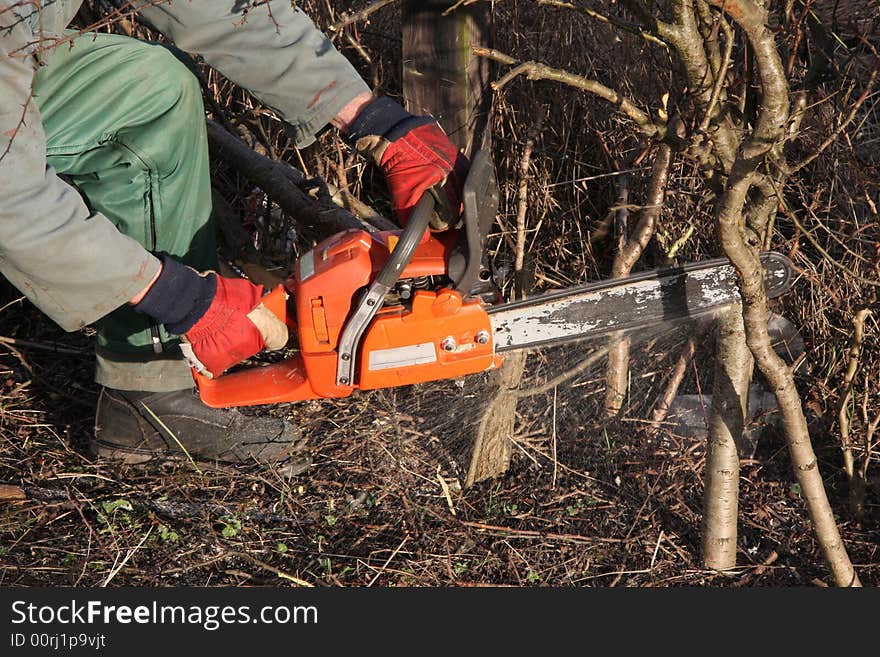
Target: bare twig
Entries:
(272, 569)
(348, 19)
(720, 76)
(585, 364)
(678, 372)
(834, 262)
(610, 20)
(538, 71)
(116, 568)
(459, 4)
(843, 126)
(523, 190)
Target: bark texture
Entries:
(492, 445)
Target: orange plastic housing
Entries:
(437, 336)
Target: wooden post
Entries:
(442, 77)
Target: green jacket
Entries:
(73, 263)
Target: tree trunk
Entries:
(730, 393)
(630, 249)
(764, 144)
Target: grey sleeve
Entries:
(271, 49)
(71, 263)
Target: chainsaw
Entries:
(395, 308)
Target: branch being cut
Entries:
(493, 448)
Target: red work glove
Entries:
(415, 155)
(221, 320)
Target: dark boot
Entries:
(142, 427)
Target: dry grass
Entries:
(585, 503)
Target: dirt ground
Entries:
(586, 502)
(610, 505)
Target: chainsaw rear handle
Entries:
(370, 303)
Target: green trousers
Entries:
(125, 125)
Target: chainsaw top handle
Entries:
(407, 243)
(370, 302)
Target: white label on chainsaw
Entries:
(416, 354)
(307, 265)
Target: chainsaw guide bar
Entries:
(638, 301)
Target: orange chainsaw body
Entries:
(436, 334)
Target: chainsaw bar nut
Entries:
(482, 337)
(448, 343)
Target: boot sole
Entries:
(126, 455)
(134, 456)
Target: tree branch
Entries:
(631, 248)
(538, 71)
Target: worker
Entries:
(105, 201)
